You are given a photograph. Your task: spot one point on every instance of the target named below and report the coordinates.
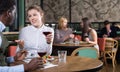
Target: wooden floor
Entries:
(110, 68)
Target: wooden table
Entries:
(75, 63)
(10, 33)
(69, 47)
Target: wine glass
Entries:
(46, 33)
(41, 53)
(75, 34)
(85, 36)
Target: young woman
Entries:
(89, 34)
(62, 33)
(33, 35)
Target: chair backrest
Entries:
(110, 44)
(101, 43)
(12, 50)
(90, 52)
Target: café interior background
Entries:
(73, 10)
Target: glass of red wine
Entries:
(46, 33)
(41, 53)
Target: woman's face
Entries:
(64, 23)
(108, 26)
(35, 17)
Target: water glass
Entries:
(77, 41)
(62, 56)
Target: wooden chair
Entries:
(111, 48)
(12, 50)
(89, 52)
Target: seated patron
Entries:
(89, 34)
(7, 16)
(37, 36)
(108, 30)
(63, 33)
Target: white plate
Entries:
(47, 63)
(27, 60)
(50, 59)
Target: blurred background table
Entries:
(69, 47)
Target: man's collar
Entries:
(2, 26)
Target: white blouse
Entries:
(35, 40)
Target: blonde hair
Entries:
(60, 22)
(38, 8)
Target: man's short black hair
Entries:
(106, 22)
(6, 5)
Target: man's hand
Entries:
(33, 64)
(20, 55)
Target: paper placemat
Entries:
(49, 65)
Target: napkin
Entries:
(27, 60)
(49, 65)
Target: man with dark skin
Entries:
(7, 16)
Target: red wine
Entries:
(46, 33)
(41, 54)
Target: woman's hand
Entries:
(72, 36)
(20, 43)
(87, 39)
(20, 55)
(49, 38)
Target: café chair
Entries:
(12, 50)
(111, 47)
(90, 52)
